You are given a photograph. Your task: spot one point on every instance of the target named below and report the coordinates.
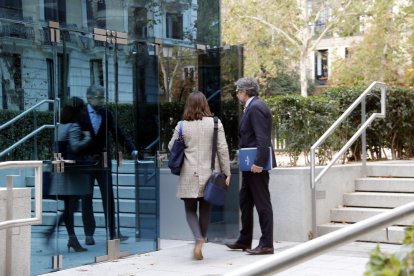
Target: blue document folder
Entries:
(247, 156)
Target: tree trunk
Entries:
(303, 75)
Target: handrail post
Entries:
(363, 139)
(9, 216)
(383, 101)
(313, 191)
(35, 150)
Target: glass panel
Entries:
(218, 69)
(171, 50)
(26, 76)
(145, 91)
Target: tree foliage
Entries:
(285, 32)
(382, 54)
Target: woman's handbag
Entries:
(216, 188)
(176, 156)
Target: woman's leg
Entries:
(204, 217)
(194, 223)
(190, 205)
(71, 204)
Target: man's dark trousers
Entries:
(255, 189)
(104, 178)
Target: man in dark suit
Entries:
(255, 131)
(99, 122)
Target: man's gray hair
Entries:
(94, 90)
(249, 84)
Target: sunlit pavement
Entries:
(175, 258)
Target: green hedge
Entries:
(298, 122)
(24, 126)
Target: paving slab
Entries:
(175, 258)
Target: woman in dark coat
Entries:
(73, 182)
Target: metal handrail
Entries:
(24, 113)
(37, 165)
(56, 108)
(310, 249)
(360, 132)
(28, 136)
(363, 127)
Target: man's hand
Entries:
(256, 169)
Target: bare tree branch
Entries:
(294, 40)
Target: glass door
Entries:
(132, 140)
(146, 133)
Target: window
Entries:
(11, 9)
(138, 23)
(321, 67)
(60, 79)
(348, 52)
(174, 25)
(50, 81)
(96, 14)
(96, 72)
(11, 82)
(55, 10)
(188, 72)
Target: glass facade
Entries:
(148, 56)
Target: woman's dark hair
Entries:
(196, 107)
(72, 111)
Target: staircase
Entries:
(144, 217)
(387, 186)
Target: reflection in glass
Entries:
(172, 49)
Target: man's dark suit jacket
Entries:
(99, 141)
(255, 131)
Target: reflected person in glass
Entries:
(198, 128)
(70, 184)
(99, 120)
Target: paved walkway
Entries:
(174, 259)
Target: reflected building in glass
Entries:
(148, 55)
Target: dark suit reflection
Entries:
(100, 150)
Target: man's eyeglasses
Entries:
(99, 97)
(238, 90)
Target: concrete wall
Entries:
(20, 236)
(291, 198)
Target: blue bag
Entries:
(216, 188)
(176, 155)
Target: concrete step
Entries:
(122, 178)
(125, 206)
(405, 168)
(377, 199)
(147, 221)
(128, 192)
(392, 234)
(355, 214)
(385, 184)
(125, 192)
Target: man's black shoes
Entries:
(260, 250)
(237, 245)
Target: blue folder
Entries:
(247, 156)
